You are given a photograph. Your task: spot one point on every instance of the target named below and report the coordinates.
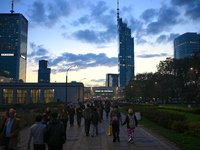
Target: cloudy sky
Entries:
(84, 33)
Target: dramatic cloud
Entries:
(63, 62)
(152, 55)
(149, 14)
(166, 38)
(99, 80)
(192, 7)
(37, 50)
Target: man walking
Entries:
(115, 117)
(12, 130)
(79, 115)
(37, 131)
(86, 114)
(54, 133)
(71, 115)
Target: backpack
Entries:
(115, 118)
(131, 121)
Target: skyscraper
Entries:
(112, 80)
(13, 45)
(125, 52)
(186, 44)
(44, 72)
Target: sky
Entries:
(84, 33)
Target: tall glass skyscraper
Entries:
(186, 44)
(44, 72)
(125, 52)
(13, 45)
(112, 80)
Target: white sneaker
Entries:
(129, 140)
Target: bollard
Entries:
(138, 115)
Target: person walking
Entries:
(131, 122)
(98, 109)
(71, 115)
(107, 109)
(102, 108)
(63, 117)
(47, 115)
(37, 132)
(86, 114)
(54, 133)
(79, 115)
(95, 118)
(115, 117)
(12, 130)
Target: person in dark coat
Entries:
(63, 117)
(79, 115)
(87, 114)
(131, 122)
(71, 115)
(54, 133)
(95, 118)
(107, 109)
(47, 115)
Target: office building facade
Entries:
(186, 44)
(125, 53)
(44, 72)
(13, 45)
(112, 80)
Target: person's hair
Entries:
(54, 115)
(64, 110)
(12, 110)
(116, 106)
(130, 110)
(88, 105)
(38, 118)
(49, 110)
(97, 106)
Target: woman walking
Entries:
(131, 122)
(63, 117)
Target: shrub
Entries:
(179, 126)
(194, 129)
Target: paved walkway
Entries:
(77, 140)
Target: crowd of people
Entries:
(50, 127)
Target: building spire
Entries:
(117, 10)
(12, 11)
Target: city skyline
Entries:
(85, 33)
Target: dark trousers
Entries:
(107, 114)
(87, 126)
(7, 144)
(71, 119)
(79, 121)
(115, 130)
(39, 146)
(55, 146)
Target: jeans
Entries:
(79, 121)
(39, 146)
(87, 126)
(95, 127)
(115, 130)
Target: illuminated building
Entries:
(186, 44)
(44, 72)
(125, 52)
(13, 45)
(112, 80)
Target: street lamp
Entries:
(66, 79)
(79, 89)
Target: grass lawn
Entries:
(185, 142)
(180, 105)
(190, 116)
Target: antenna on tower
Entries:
(117, 10)
(12, 11)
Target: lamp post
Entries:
(66, 79)
(79, 89)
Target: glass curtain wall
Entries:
(21, 96)
(48, 95)
(35, 96)
(7, 96)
